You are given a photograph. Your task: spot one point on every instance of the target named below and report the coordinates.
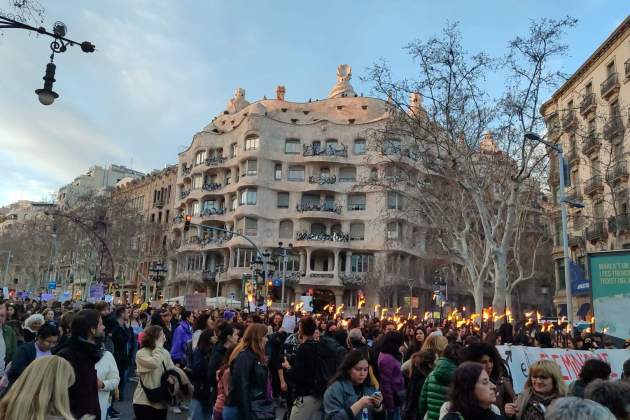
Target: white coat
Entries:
(107, 372)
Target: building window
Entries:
(361, 263)
(196, 207)
(292, 147)
(228, 177)
(318, 228)
(348, 174)
(200, 157)
(277, 172)
(285, 229)
(251, 226)
(296, 173)
(394, 200)
(233, 203)
(357, 231)
(197, 182)
(248, 197)
(283, 200)
(243, 257)
(233, 150)
(356, 202)
(331, 143)
(252, 167)
(394, 230)
(251, 143)
(359, 147)
(391, 147)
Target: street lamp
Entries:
(47, 95)
(563, 213)
(156, 272)
(285, 253)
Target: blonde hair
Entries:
(40, 391)
(252, 340)
(548, 368)
(435, 342)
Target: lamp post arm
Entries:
(8, 23)
(212, 228)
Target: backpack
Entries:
(330, 354)
(161, 393)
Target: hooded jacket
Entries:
(435, 388)
(181, 336)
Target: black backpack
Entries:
(330, 354)
(161, 393)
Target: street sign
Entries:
(52, 285)
(232, 295)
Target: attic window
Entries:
(225, 112)
(306, 112)
(339, 106)
(283, 109)
(222, 122)
(294, 120)
(245, 114)
(363, 106)
(351, 120)
(315, 119)
(232, 122)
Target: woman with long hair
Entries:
(392, 382)
(152, 360)
(435, 389)
(543, 386)
(489, 357)
(49, 315)
(472, 395)
(414, 342)
(41, 392)
(200, 404)
(223, 384)
(422, 363)
(350, 394)
(248, 378)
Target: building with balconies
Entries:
(298, 173)
(597, 145)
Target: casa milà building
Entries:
(297, 173)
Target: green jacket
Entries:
(435, 389)
(10, 341)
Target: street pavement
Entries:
(125, 407)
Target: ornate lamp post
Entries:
(60, 44)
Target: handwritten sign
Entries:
(194, 301)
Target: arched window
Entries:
(357, 231)
(251, 142)
(356, 202)
(318, 228)
(285, 229)
(336, 228)
(394, 230)
(197, 182)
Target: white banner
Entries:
(519, 358)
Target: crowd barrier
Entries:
(519, 358)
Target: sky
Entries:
(164, 68)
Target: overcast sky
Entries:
(164, 68)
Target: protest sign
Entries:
(47, 297)
(194, 301)
(519, 358)
(288, 323)
(97, 291)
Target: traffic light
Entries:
(187, 222)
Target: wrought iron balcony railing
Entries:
(593, 185)
(211, 186)
(596, 231)
(212, 211)
(330, 150)
(569, 119)
(588, 104)
(183, 194)
(325, 206)
(619, 224)
(334, 237)
(353, 279)
(610, 85)
(613, 130)
(619, 171)
(591, 143)
(322, 179)
(215, 160)
(186, 170)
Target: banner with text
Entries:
(519, 358)
(610, 283)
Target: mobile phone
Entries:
(377, 394)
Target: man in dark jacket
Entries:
(83, 353)
(119, 336)
(47, 338)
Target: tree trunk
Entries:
(500, 283)
(508, 301)
(478, 297)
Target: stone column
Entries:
(203, 261)
(336, 266)
(332, 262)
(348, 262)
(338, 297)
(308, 261)
(303, 261)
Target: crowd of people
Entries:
(72, 360)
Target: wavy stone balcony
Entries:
(353, 279)
(215, 160)
(334, 237)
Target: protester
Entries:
(591, 369)
(350, 396)
(47, 338)
(120, 336)
(152, 361)
(422, 363)
(41, 392)
(489, 357)
(544, 385)
(415, 343)
(248, 378)
(31, 326)
(435, 389)
(223, 383)
(201, 409)
(614, 395)
(392, 382)
(107, 374)
(574, 408)
(181, 336)
(473, 395)
(83, 352)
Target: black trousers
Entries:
(146, 412)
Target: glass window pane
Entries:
(292, 146)
(283, 200)
(359, 147)
(296, 173)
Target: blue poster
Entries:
(97, 291)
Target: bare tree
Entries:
(467, 184)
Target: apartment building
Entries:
(589, 116)
(297, 173)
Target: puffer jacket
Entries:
(435, 389)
